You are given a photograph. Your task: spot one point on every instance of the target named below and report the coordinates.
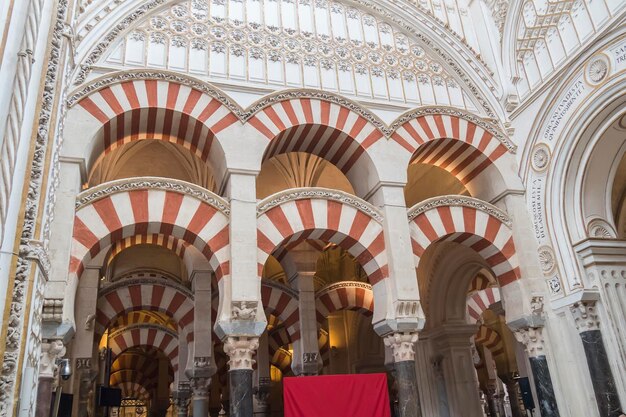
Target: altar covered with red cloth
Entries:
(337, 396)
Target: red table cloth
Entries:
(337, 396)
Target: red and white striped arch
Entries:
(146, 335)
(135, 296)
(451, 142)
(355, 296)
(155, 109)
(490, 339)
(480, 301)
(123, 214)
(465, 224)
(320, 127)
(327, 220)
(282, 304)
(135, 375)
(279, 337)
(281, 359)
(132, 389)
(177, 246)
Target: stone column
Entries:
(306, 357)
(200, 389)
(263, 382)
(50, 352)
(402, 345)
(588, 324)
(532, 339)
(182, 398)
(240, 351)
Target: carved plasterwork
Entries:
(244, 310)
(597, 69)
(240, 351)
(585, 316)
(344, 284)
(540, 157)
(147, 183)
(600, 228)
(50, 352)
(532, 339)
(547, 259)
(322, 193)
(52, 310)
(462, 201)
(402, 346)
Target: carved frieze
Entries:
(458, 200)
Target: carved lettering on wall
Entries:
(568, 101)
(536, 206)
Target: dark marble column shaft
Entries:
(406, 382)
(44, 397)
(240, 393)
(601, 375)
(543, 387)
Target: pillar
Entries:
(262, 388)
(50, 352)
(182, 398)
(200, 390)
(402, 347)
(453, 343)
(240, 351)
(533, 341)
(588, 325)
(306, 357)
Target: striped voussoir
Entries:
(152, 335)
(474, 228)
(126, 375)
(279, 337)
(466, 149)
(143, 317)
(282, 360)
(316, 126)
(144, 296)
(490, 339)
(177, 246)
(133, 390)
(283, 305)
(346, 297)
(329, 221)
(143, 363)
(480, 301)
(124, 214)
(140, 109)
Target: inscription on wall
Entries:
(536, 203)
(566, 103)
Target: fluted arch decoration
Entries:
(470, 222)
(145, 294)
(347, 295)
(117, 210)
(326, 215)
(150, 335)
(282, 302)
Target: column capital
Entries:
(585, 315)
(532, 339)
(182, 399)
(240, 350)
(200, 387)
(402, 346)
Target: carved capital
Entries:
(532, 339)
(240, 350)
(402, 345)
(244, 310)
(200, 387)
(50, 352)
(181, 398)
(585, 316)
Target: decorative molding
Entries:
(321, 193)
(35, 250)
(402, 346)
(600, 228)
(51, 351)
(82, 363)
(99, 49)
(52, 310)
(344, 284)
(585, 316)
(459, 201)
(244, 310)
(597, 69)
(240, 351)
(151, 183)
(532, 339)
(407, 309)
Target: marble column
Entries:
(240, 351)
(262, 379)
(182, 398)
(532, 339)
(588, 324)
(402, 347)
(48, 379)
(200, 389)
